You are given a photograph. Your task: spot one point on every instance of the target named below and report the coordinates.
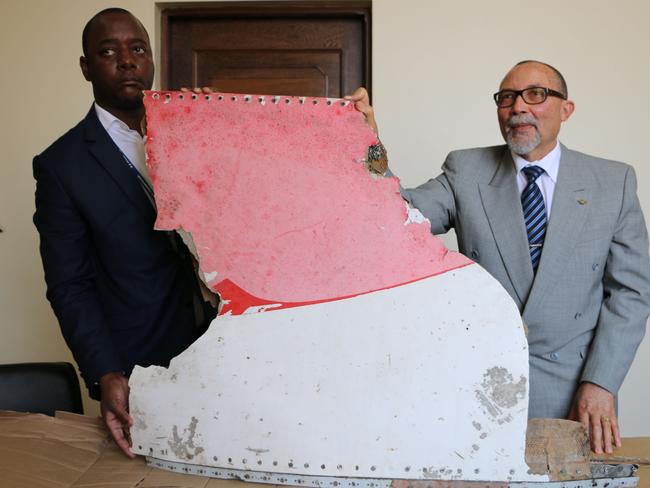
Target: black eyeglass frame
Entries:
(547, 92)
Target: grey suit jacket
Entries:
(587, 306)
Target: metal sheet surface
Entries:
(352, 343)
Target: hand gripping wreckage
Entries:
(351, 348)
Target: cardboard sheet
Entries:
(73, 451)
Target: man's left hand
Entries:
(593, 407)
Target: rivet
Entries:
(155, 96)
(407, 469)
(372, 468)
(306, 465)
(244, 461)
(582, 201)
(322, 466)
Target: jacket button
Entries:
(474, 254)
(577, 316)
(553, 355)
(595, 267)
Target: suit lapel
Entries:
(568, 214)
(108, 155)
(507, 224)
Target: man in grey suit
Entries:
(564, 234)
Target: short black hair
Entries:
(86, 31)
(563, 86)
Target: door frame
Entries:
(360, 9)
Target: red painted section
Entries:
(277, 202)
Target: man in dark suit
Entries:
(123, 293)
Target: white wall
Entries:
(435, 65)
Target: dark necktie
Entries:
(534, 209)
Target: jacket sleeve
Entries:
(435, 198)
(66, 251)
(626, 296)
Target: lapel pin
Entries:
(582, 201)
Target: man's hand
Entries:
(362, 104)
(593, 407)
(115, 409)
(205, 90)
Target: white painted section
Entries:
(208, 277)
(426, 380)
(414, 216)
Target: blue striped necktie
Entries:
(532, 202)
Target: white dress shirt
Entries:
(130, 142)
(547, 180)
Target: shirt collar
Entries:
(549, 163)
(110, 122)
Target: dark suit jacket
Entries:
(122, 292)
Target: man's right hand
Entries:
(115, 409)
(361, 101)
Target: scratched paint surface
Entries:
(280, 209)
(420, 381)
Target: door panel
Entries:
(309, 49)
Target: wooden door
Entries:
(278, 48)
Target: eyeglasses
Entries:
(532, 96)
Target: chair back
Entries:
(40, 388)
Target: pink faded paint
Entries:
(277, 202)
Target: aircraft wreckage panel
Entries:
(351, 342)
